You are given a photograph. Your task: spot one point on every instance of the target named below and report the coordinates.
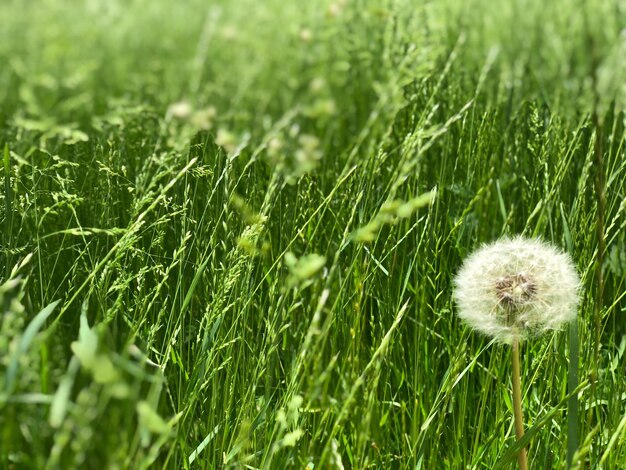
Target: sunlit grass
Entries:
(230, 231)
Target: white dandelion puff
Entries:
(517, 288)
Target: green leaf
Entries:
(150, 419)
(61, 399)
(307, 266)
(103, 370)
(87, 345)
(292, 437)
(25, 341)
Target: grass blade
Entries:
(27, 338)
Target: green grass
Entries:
(267, 283)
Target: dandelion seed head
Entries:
(517, 287)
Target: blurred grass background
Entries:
(250, 214)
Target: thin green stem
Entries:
(8, 209)
(522, 458)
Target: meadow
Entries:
(230, 230)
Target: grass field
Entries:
(230, 230)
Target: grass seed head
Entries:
(517, 287)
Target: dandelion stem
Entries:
(517, 405)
